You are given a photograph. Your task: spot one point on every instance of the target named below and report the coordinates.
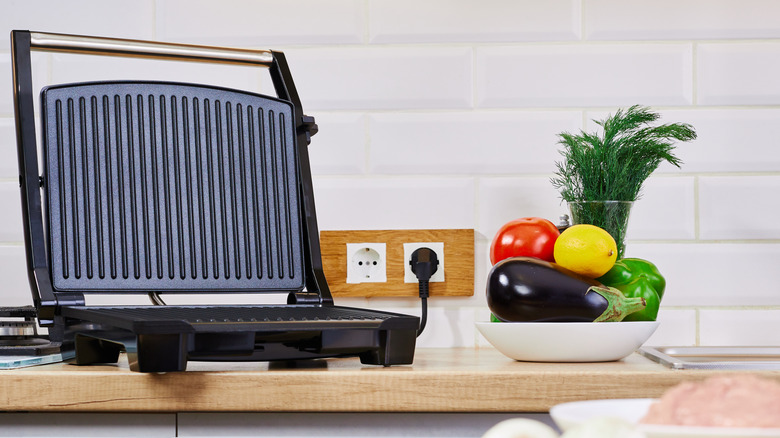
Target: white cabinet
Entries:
(87, 425)
(347, 425)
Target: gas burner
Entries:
(17, 329)
(19, 334)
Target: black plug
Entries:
(424, 264)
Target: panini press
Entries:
(152, 187)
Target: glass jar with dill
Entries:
(602, 174)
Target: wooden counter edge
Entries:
(461, 380)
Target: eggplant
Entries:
(526, 289)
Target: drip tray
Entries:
(715, 358)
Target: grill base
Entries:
(165, 338)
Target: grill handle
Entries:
(147, 49)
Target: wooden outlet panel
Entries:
(458, 262)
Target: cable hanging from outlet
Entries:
(424, 264)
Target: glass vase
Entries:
(612, 216)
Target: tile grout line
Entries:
(694, 74)
(473, 78)
(366, 24)
(696, 212)
(366, 144)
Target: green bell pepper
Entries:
(637, 278)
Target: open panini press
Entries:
(176, 188)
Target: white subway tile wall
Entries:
(8, 167)
(261, 23)
(744, 324)
(581, 75)
(81, 17)
(738, 73)
(74, 68)
(371, 78)
(434, 21)
(665, 210)
(681, 20)
(444, 114)
(468, 142)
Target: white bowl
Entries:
(567, 341)
(569, 415)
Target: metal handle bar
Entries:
(147, 49)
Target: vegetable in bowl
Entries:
(526, 289)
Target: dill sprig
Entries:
(613, 166)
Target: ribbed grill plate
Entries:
(160, 186)
(217, 314)
(232, 318)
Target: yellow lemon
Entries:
(585, 249)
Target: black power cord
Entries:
(156, 299)
(424, 263)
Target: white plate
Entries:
(568, 415)
(567, 341)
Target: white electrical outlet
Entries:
(409, 248)
(366, 263)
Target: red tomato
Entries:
(525, 237)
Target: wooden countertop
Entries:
(441, 380)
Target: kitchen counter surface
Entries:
(441, 380)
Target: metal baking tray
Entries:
(715, 358)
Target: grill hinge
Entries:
(308, 127)
(304, 298)
(48, 310)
